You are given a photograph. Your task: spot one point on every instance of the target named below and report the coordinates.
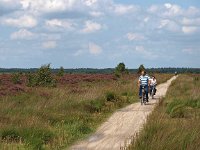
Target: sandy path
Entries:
(122, 125)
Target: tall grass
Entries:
(54, 118)
(175, 123)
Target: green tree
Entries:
(141, 68)
(43, 77)
(16, 78)
(121, 69)
(61, 72)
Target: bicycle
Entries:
(153, 91)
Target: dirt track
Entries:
(122, 125)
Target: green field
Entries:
(56, 117)
(175, 123)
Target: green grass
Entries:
(55, 118)
(175, 123)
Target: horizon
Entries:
(99, 33)
(110, 68)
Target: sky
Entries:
(99, 33)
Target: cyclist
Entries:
(144, 80)
(153, 85)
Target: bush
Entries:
(120, 70)
(191, 103)
(177, 112)
(43, 77)
(32, 80)
(10, 135)
(117, 74)
(96, 105)
(84, 129)
(16, 78)
(198, 104)
(111, 96)
(61, 72)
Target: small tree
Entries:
(32, 79)
(120, 69)
(141, 68)
(43, 77)
(16, 78)
(61, 72)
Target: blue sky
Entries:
(99, 33)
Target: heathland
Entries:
(175, 123)
(34, 115)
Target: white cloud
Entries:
(145, 53)
(96, 13)
(91, 26)
(169, 25)
(166, 10)
(192, 11)
(90, 2)
(193, 21)
(49, 44)
(22, 34)
(21, 22)
(94, 49)
(189, 29)
(48, 6)
(120, 9)
(9, 5)
(134, 36)
(172, 10)
(50, 37)
(78, 53)
(153, 8)
(58, 23)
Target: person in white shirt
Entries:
(144, 81)
(153, 84)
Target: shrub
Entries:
(96, 105)
(43, 77)
(120, 69)
(117, 74)
(10, 135)
(191, 103)
(16, 78)
(177, 112)
(61, 72)
(32, 79)
(198, 104)
(37, 138)
(84, 129)
(110, 96)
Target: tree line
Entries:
(103, 71)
